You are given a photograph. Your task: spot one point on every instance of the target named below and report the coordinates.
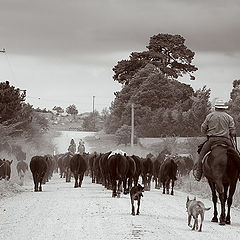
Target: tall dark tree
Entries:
(11, 102)
(166, 52)
(234, 104)
(72, 110)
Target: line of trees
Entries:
(163, 105)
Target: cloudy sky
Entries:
(63, 51)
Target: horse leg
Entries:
(220, 190)
(229, 201)
(214, 199)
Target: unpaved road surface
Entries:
(64, 212)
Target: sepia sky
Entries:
(63, 51)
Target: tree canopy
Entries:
(163, 105)
(11, 101)
(72, 110)
(166, 52)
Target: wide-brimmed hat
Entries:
(220, 104)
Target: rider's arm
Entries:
(232, 128)
(204, 126)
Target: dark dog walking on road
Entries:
(136, 194)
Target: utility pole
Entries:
(93, 114)
(93, 103)
(132, 129)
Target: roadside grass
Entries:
(202, 189)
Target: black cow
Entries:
(96, 169)
(38, 167)
(5, 169)
(131, 169)
(91, 160)
(66, 166)
(78, 166)
(156, 167)
(50, 168)
(147, 172)
(103, 164)
(138, 171)
(168, 171)
(117, 164)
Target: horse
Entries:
(221, 167)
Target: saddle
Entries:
(212, 147)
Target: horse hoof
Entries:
(214, 219)
(222, 223)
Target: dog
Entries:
(135, 195)
(195, 208)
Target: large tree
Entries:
(149, 79)
(72, 110)
(11, 102)
(166, 52)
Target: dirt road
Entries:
(63, 212)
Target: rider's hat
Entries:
(219, 103)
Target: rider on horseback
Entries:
(219, 128)
(72, 147)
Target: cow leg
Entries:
(130, 180)
(139, 198)
(167, 185)
(164, 186)
(124, 185)
(114, 188)
(119, 188)
(81, 179)
(35, 182)
(40, 181)
(76, 180)
(172, 187)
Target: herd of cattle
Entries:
(114, 170)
